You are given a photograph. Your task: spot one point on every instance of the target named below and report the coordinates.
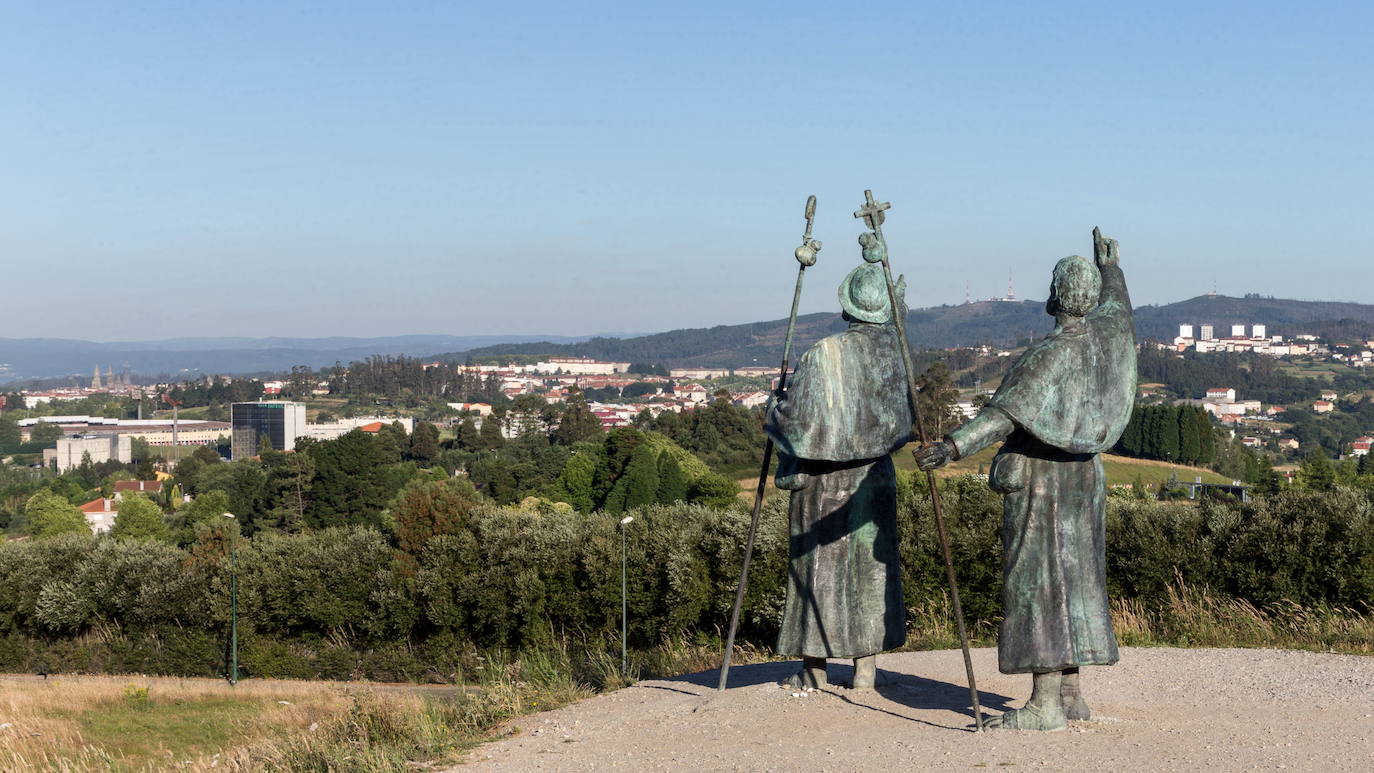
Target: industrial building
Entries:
(280, 422)
(71, 450)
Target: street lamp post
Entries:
(624, 605)
(233, 603)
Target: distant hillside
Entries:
(1282, 317)
(45, 358)
(998, 323)
(761, 343)
(757, 343)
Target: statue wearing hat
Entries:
(1066, 400)
(845, 411)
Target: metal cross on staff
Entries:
(872, 214)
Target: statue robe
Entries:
(1066, 400)
(846, 409)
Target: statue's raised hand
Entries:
(934, 455)
(1104, 250)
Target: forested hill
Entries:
(1281, 316)
(999, 323)
(761, 343)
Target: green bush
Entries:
(348, 602)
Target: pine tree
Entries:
(9, 434)
(574, 484)
(1189, 444)
(1168, 433)
(1129, 444)
(1317, 472)
(467, 438)
(1150, 433)
(641, 478)
(1207, 441)
(577, 422)
(490, 437)
(672, 484)
(424, 442)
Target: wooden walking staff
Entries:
(806, 256)
(872, 214)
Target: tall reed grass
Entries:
(1192, 617)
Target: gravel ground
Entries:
(1157, 710)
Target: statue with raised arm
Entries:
(1066, 400)
(845, 411)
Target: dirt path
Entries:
(1157, 710)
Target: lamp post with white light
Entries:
(624, 605)
(233, 674)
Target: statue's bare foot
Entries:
(1076, 708)
(1030, 717)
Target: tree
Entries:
(574, 484)
(1268, 482)
(352, 483)
(139, 518)
(1138, 489)
(9, 434)
(1168, 433)
(1129, 444)
(715, 491)
(1317, 473)
(45, 433)
(424, 443)
(205, 510)
(639, 484)
(490, 437)
(426, 509)
(1189, 444)
(466, 437)
(50, 515)
(289, 478)
(1207, 441)
(672, 484)
(495, 478)
(577, 422)
(936, 400)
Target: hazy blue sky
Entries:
(257, 168)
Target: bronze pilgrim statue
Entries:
(844, 412)
(1066, 400)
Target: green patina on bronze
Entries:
(845, 411)
(1066, 400)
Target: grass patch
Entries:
(1121, 470)
(162, 729)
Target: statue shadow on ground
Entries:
(910, 691)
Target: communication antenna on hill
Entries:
(1213, 293)
(967, 298)
(1011, 291)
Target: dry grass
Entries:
(76, 724)
(1196, 618)
(1188, 618)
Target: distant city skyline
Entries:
(432, 168)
